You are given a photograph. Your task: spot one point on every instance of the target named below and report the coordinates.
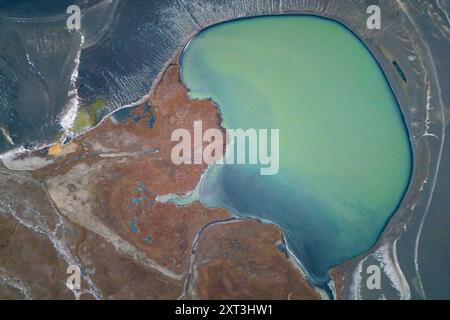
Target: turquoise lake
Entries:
(345, 154)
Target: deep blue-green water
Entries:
(345, 156)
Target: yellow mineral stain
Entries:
(58, 149)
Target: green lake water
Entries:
(345, 155)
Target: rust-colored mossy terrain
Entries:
(93, 203)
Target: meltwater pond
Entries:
(345, 154)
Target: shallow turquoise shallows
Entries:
(345, 155)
